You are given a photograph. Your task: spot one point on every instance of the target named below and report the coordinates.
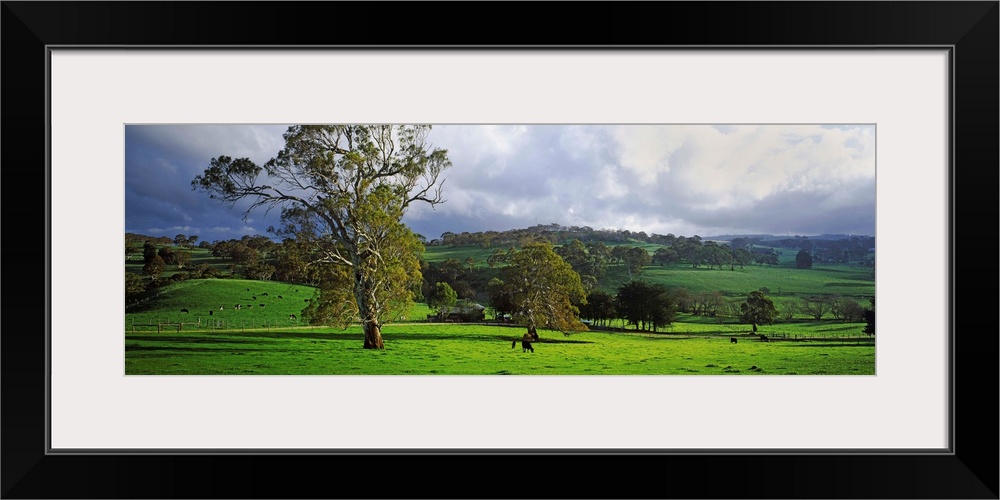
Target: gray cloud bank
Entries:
(680, 179)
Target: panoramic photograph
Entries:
(500, 249)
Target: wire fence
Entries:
(159, 325)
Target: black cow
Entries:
(763, 338)
(525, 344)
(184, 310)
(280, 297)
(262, 305)
(211, 312)
(263, 294)
(526, 340)
(732, 340)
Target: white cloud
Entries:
(682, 179)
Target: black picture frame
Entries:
(969, 28)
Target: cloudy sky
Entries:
(682, 179)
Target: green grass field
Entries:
(784, 281)
(214, 337)
(456, 349)
(212, 302)
(266, 342)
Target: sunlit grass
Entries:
(455, 349)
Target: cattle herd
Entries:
(240, 307)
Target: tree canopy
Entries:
(645, 305)
(344, 189)
(542, 290)
(803, 260)
(757, 310)
(869, 314)
(442, 297)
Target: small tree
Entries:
(600, 307)
(154, 267)
(635, 259)
(803, 260)
(168, 255)
(870, 317)
(501, 300)
(757, 310)
(134, 285)
(442, 297)
(645, 305)
(182, 258)
(788, 310)
(816, 306)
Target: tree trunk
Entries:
(369, 313)
(373, 336)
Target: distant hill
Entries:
(558, 234)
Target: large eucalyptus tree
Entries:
(344, 189)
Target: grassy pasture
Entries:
(266, 341)
(199, 256)
(203, 299)
(780, 280)
(438, 254)
(456, 349)
(784, 281)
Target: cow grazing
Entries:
(732, 340)
(280, 297)
(184, 310)
(262, 305)
(211, 312)
(526, 341)
(263, 294)
(254, 297)
(291, 316)
(221, 307)
(763, 338)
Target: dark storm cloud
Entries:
(684, 180)
(162, 160)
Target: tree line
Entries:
(650, 307)
(823, 248)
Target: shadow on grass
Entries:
(811, 344)
(186, 340)
(237, 338)
(215, 350)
